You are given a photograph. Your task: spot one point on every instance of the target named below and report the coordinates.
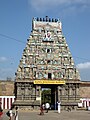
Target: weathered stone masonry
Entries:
(46, 57)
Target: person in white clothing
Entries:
(11, 114)
(16, 113)
(59, 106)
(47, 106)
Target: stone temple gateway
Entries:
(46, 63)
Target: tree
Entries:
(46, 95)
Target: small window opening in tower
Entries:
(49, 76)
(48, 50)
(48, 62)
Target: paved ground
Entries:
(52, 115)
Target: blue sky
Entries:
(16, 25)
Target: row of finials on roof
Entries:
(46, 19)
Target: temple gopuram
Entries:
(47, 62)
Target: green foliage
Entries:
(46, 96)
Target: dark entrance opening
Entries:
(48, 50)
(49, 94)
(49, 76)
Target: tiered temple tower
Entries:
(46, 62)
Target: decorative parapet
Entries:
(46, 24)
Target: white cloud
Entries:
(3, 59)
(84, 69)
(43, 5)
(85, 65)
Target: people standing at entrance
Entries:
(1, 111)
(41, 110)
(11, 114)
(16, 113)
(47, 106)
(43, 105)
(59, 106)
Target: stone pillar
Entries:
(26, 91)
(77, 89)
(53, 96)
(63, 90)
(59, 93)
(70, 89)
(18, 92)
(38, 88)
(38, 94)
